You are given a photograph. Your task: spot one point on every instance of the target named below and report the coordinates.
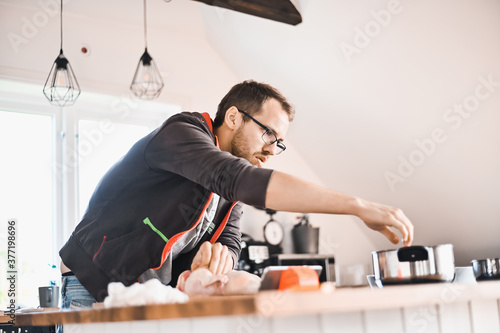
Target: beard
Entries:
(240, 148)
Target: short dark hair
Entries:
(249, 96)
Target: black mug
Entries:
(49, 296)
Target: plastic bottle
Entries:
(54, 275)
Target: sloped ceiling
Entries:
(373, 83)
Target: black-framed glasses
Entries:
(268, 137)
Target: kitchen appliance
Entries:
(273, 233)
(414, 264)
(305, 236)
(254, 255)
(327, 263)
(486, 269)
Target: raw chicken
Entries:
(202, 282)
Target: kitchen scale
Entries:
(273, 233)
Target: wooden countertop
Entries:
(196, 307)
(275, 303)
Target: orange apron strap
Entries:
(208, 120)
(175, 238)
(222, 225)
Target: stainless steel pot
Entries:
(486, 269)
(414, 264)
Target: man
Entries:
(172, 202)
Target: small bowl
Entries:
(486, 269)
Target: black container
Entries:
(305, 237)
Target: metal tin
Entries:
(486, 269)
(414, 264)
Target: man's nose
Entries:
(271, 149)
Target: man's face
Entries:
(247, 140)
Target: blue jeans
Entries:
(74, 295)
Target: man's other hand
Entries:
(215, 257)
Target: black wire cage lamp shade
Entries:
(61, 87)
(147, 82)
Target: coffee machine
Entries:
(256, 255)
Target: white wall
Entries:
(368, 79)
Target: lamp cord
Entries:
(61, 25)
(145, 27)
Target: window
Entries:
(51, 161)
(26, 194)
(99, 147)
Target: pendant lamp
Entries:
(61, 87)
(147, 82)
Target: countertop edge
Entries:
(278, 303)
(197, 307)
(340, 300)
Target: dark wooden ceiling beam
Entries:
(277, 10)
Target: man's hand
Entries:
(379, 218)
(215, 257)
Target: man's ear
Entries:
(232, 118)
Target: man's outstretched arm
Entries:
(289, 193)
